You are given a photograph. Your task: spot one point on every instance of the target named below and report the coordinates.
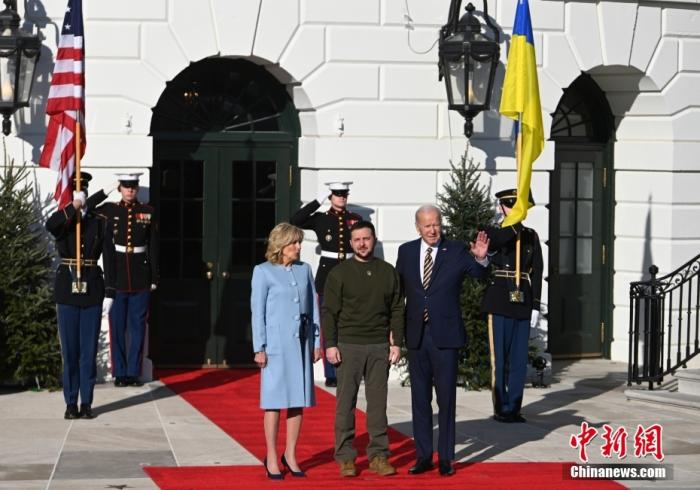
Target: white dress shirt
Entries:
(433, 253)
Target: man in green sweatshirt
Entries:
(362, 310)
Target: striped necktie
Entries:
(427, 272)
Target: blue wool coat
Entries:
(285, 320)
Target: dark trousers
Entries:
(509, 357)
(129, 314)
(428, 364)
(370, 362)
(328, 368)
(79, 331)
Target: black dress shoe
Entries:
(86, 411)
(421, 466)
(505, 418)
(120, 381)
(331, 382)
(71, 412)
(133, 381)
(518, 418)
(446, 468)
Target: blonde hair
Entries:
(281, 235)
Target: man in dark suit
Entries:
(432, 270)
(513, 308)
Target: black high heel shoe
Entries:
(294, 473)
(272, 476)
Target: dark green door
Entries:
(217, 203)
(578, 253)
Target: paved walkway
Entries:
(151, 426)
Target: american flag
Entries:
(66, 103)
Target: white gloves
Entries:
(534, 318)
(106, 306)
(153, 287)
(322, 196)
(80, 196)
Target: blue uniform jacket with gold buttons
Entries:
(333, 232)
(62, 225)
(502, 253)
(134, 233)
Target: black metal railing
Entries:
(664, 323)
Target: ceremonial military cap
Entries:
(84, 179)
(508, 197)
(339, 188)
(129, 180)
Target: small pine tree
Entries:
(29, 347)
(466, 207)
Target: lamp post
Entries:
(19, 53)
(468, 61)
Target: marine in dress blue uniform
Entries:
(512, 309)
(79, 308)
(134, 234)
(332, 230)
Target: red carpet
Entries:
(229, 398)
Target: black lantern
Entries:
(468, 61)
(19, 53)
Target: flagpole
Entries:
(78, 227)
(518, 158)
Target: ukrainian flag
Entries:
(521, 101)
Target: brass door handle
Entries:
(210, 275)
(225, 274)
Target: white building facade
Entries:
(225, 154)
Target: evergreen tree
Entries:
(466, 208)
(29, 346)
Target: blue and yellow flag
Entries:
(521, 101)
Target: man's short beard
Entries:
(367, 255)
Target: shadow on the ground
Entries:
(11, 390)
(484, 439)
(205, 379)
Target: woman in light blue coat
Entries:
(286, 331)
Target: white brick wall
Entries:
(617, 21)
(647, 36)
(340, 12)
(356, 61)
(584, 34)
(235, 25)
(279, 20)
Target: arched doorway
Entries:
(581, 223)
(225, 171)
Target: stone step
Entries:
(665, 397)
(688, 381)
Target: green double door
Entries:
(217, 203)
(579, 271)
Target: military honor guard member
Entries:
(512, 309)
(79, 293)
(134, 233)
(333, 232)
